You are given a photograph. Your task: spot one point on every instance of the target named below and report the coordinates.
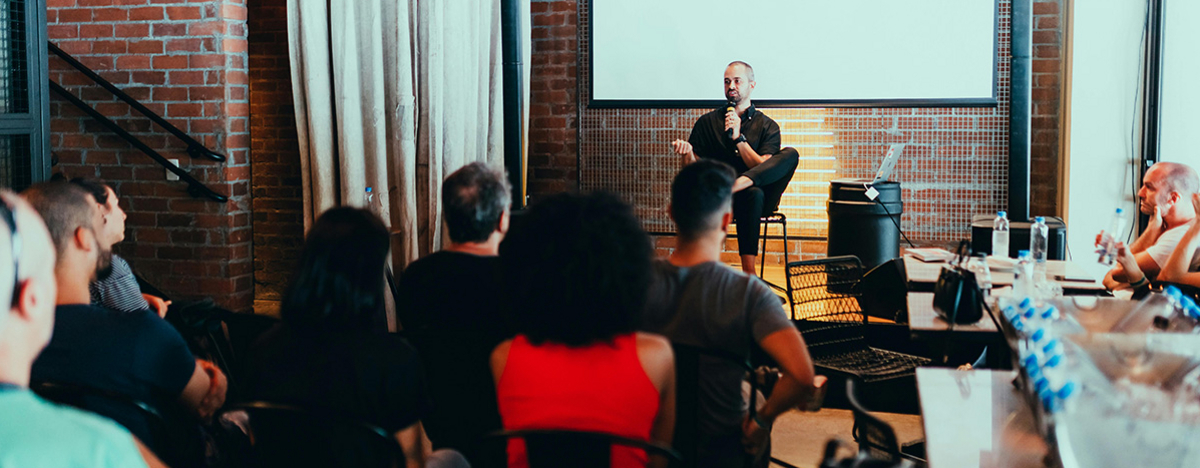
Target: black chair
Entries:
(285, 435)
(148, 423)
(859, 460)
(876, 438)
(219, 335)
(826, 310)
(688, 371)
(555, 448)
(773, 218)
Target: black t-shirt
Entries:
(451, 307)
(131, 353)
(709, 140)
(374, 377)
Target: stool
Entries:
(773, 218)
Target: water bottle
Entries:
(372, 202)
(1108, 239)
(1000, 235)
(1152, 313)
(1039, 239)
(1023, 277)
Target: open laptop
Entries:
(889, 163)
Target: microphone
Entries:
(732, 107)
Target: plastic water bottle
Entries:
(1000, 235)
(373, 203)
(1023, 276)
(1108, 245)
(1039, 239)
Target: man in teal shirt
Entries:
(33, 432)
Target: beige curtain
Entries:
(394, 94)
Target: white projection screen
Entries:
(878, 53)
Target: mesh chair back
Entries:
(876, 439)
(553, 448)
(283, 435)
(821, 289)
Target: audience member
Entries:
(579, 267)
(135, 354)
(116, 288)
(450, 308)
(1183, 266)
(327, 355)
(1166, 196)
(37, 433)
(696, 300)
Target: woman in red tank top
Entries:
(579, 266)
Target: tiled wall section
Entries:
(955, 166)
(274, 156)
(185, 60)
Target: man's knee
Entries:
(790, 156)
(753, 195)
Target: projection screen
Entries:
(878, 53)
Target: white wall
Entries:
(1181, 91)
(1104, 118)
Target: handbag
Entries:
(956, 296)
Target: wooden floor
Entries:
(799, 438)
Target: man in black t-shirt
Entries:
(741, 136)
(450, 306)
(135, 354)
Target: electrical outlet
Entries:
(172, 175)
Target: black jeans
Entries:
(770, 178)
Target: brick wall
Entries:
(275, 156)
(958, 166)
(187, 62)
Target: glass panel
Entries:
(14, 62)
(15, 157)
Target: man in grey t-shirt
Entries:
(695, 300)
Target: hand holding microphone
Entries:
(733, 123)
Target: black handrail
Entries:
(195, 187)
(195, 148)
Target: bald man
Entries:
(1166, 196)
(739, 135)
(38, 433)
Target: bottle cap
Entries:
(1040, 219)
(1018, 324)
(1054, 361)
(1038, 334)
(1029, 361)
(1066, 390)
(1172, 292)
(1026, 302)
(1120, 211)
(1050, 346)
(1041, 385)
(1050, 312)
(1001, 213)
(368, 189)
(1023, 254)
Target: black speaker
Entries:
(883, 292)
(1018, 236)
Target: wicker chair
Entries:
(825, 309)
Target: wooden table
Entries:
(925, 323)
(977, 418)
(922, 276)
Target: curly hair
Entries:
(578, 267)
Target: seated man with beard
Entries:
(134, 354)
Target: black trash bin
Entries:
(860, 226)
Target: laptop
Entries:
(889, 163)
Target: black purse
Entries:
(956, 296)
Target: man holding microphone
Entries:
(741, 136)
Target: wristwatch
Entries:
(740, 139)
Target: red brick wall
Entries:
(275, 155)
(957, 168)
(187, 62)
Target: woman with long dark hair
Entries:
(327, 355)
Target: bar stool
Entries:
(773, 218)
